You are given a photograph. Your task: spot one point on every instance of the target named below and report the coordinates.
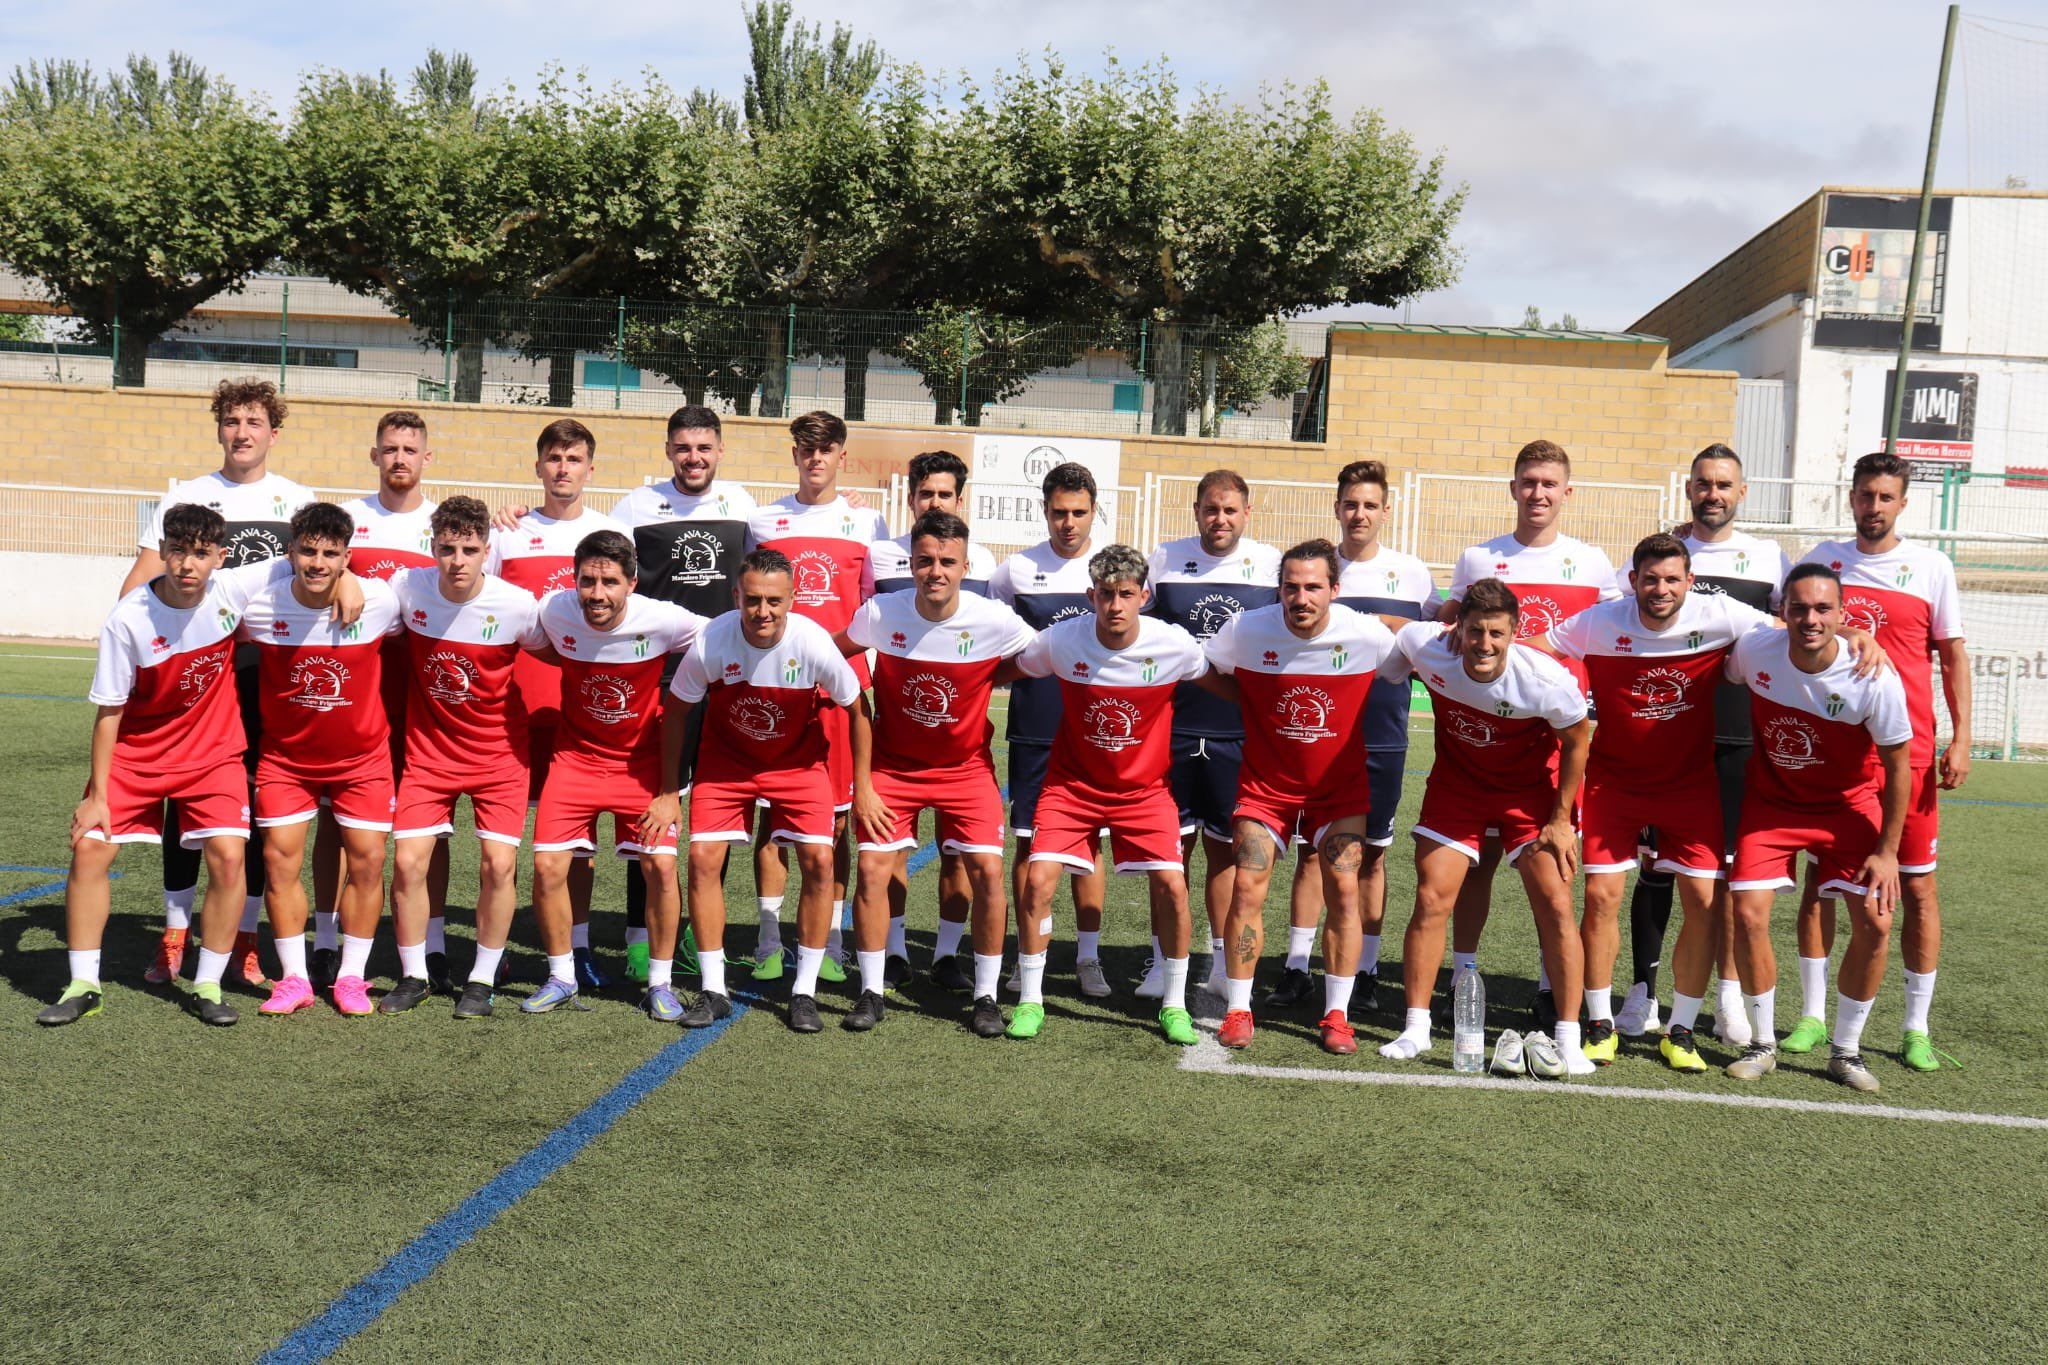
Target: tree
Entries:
(1245, 368)
(968, 360)
(793, 65)
(1532, 318)
(135, 196)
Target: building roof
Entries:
(1512, 333)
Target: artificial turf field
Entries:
(176, 1191)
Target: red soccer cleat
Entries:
(1338, 1038)
(1237, 1029)
(169, 959)
(244, 962)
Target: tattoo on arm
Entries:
(1343, 852)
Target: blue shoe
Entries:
(552, 993)
(661, 1005)
(587, 975)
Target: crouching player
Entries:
(610, 644)
(1511, 741)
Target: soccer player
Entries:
(167, 732)
(1511, 740)
(256, 505)
(1118, 671)
(767, 677)
(1304, 670)
(1905, 594)
(610, 644)
(1046, 583)
(465, 735)
(326, 743)
(937, 650)
(1831, 777)
(1199, 582)
(537, 552)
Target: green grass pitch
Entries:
(175, 1191)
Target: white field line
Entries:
(52, 658)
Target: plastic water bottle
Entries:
(1468, 1021)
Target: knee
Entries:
(1752, 914)
(1869, 919)
(814, 861)
(551, 871)
(498, 860)
(225, 858)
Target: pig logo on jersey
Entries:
(253, 545)
(1471, 728)
(316, 683)
(1213, 613)
(1863, 613)
(449, 677)
(756, 718)
(606, 699)
(928, 700)
(1791, 743)
(694, 557)
(1305, 714)
(200, 673)
(1110, 723)
(815, 572)
(1660, 694)
(1539, 614)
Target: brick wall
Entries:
(1778, 261)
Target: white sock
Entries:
(949, 938)
(1369, 956)
(897, 946)
(988, 970)
(291, 954)
(178, 907)
(1685, 1010)
(1157, 956)
(579, 935)
(661, 971)
(710, 969)
(1763, 1017)
(1300, 943)
(807, 961)
(1237, 995)
(561, 967)
(771, 924)
(355, 956)
(1463, 960)
(485, 968)
(1813, 987)
(634, 936)
(1600, 1003)
(1919, 998)
(85, 965)
(212, 967)
(871, 969)
(1566, 1035)
(252, 913)
(1729, 999)
(1088, 945)
(835, 937)
(1414, 1039)
(1850, 1017)
(1176, 995)
(1542, 972)
(326, 930)
(437, 935)
(1337, 992)
(1216, 945)
(1030, 978)
(412, 960)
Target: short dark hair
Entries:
(932, 462)
(816, 430)
(1223, 478)
(1361, 471)
(695, 417)
(1489, 597)
(939, 526)
(1662, 545)
(1318, 551)
(764, 560)
(564, 431)
(404, 419)
(461, 516)
(230, 394)
(323, 521)
(1877, 465)
(1717, 451)
(190, 526)
(1812, 569)
(1542, 452)
(1068, 478)
(608, 545)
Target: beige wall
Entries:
(1778, 261)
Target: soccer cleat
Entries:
(475, 1002)
(1637, 1016)
(1507, 1054)
(1918, 1051)
(949, 975)
(504, 972)
(1337, 1038)
(1732, 1027)
(865, 1014)
(1541, 1057)
(409, 991)
(288, 995)
(637, 957)
(205, 1001)
(351, 995)
(80, 1000)
(896, 971)
(551, 994)
(661, 1005)
(1680, 1050)
(1602, 1042)
(1237, 1029)
(1848, 1068)
(1757, 1061)
(769, 966)
(707, 1009)
(1543, 1011)
(1093, 982)
(245, 964)
(169, 960)
(987, 1019)
(1178, 1026)
(437, 973)
(803, 1015)
(686, 956)
(1365, 993)
(326, 968)
(1808, 1034)
(588, 977)
(831, 970)
(1292, 988)
(1153, 987)
(1025, 1021)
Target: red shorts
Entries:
(1687, 819)
(964, 799)
(798, 801)
(1923, 824)
(364, 799)
(1144, 828)
(838, 728)
(497, 798)
(578, 791)
(1462, 817)
(1285, 816)
(1772, 836)
(210, 801)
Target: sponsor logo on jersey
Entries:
(536, 543)
(197, 678)
(756, 717)
(450, 676)
(1623, 644)
(607, 699)
(316, 683)
(281, 628)
(1305, 713)
(1469, 727)
(815, 575)
(1863, 613)
(1271, 658)
(1660, 694)
(1212, 613)
(568, 642)
(1791, 743)
(1763, 680)
(1080, 668)
(1110, 723)
(732, 670)
(898, 638)
(928, 699)
(693, 558)
(419, 617)
(1437, 680)
(1539, 614)
(159, 644)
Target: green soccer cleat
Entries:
(1178, 1026)
(769, 968)
(686, 955)
(1025, 1021)
(80, 1000)
(1805, 1036)
(637, 956)
(1918, 1051)
(831, 969)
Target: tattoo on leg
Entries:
(1254, 850)
(1247, 949)
(1343, 852)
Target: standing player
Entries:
(611, 644)
(465, 735)
(1304, 670)
(257, 506)
(1118, 671)
(1511, 741)
(1045, 584)
(766, 677)
(936, 654)
(1826, 742)
(1199, 583)
(1904, 594)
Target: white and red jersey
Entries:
(320, 683)
(933, 678)
(1551, 582)
(258, 513)
(1907, 598)
(1116, 705)
(611, 679)
(1653, 690)
(1816, 733)
(761, 705)
(1493, 736)
(462, 713)
(1304, 701)
(892, 566)
(830, 547)
(385, 541)
(539, 555)
(169, 669)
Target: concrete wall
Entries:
(1779, 260)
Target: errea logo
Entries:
(1624, 644)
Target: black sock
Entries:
(636, 895)
(181, 864)
(1649, 914)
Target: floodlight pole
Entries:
(1948, 49)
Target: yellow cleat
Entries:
(1602, 1044)
(1678, 1051)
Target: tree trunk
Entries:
(131, 361)
(561, 377)
(693, 392)
(856, 370)
(1209, 389)
(775, 371)
(743, 404)
(942, 410)
(1170, 380)
(469, 372)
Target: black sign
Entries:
(1941, 405)
(1866, 256)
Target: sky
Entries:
(1612, 151)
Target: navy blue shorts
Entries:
(1204, 781)
(1028, 763)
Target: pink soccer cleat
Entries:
(287, 996)
(352, 995)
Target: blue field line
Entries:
(61, 874)
(1973, 801)
(366, 1300)
(36, 696)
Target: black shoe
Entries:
(707, 1009)
(504, 973)
(437, 974)
(1293, 988)
(803, 1015)
(219, 1013)
(866, 1013)
(1544, 1011)
(70, 1009)
(326, 966)
(988, 1018)
(896, 971)
(949, 975)
(1365, 994)
(475, 1002)
(588, 977)
(409, 991)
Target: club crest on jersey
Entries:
(277, 506)
(316, 683)
(1305, 714)
(724, 504)
(1904, 576)
(792, 670)
(694, 559)
(490, 626)
(1110, 723)
(608, 700)
(1505, 710)
(1566, 567)
(640, 646)
(1742, 561)
(1245, 568)
(450, 676)
(846, 527)
(1834, 705)
(1469, 727)
(965, 646)
(227, 618)
(1791, 743)
(352, 632)
(928, 699)
(1213, 613)
(1338, 654)
(1148, 668)
(1694, 638)
(757, 718)
(1660, 694)
(815, 572)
